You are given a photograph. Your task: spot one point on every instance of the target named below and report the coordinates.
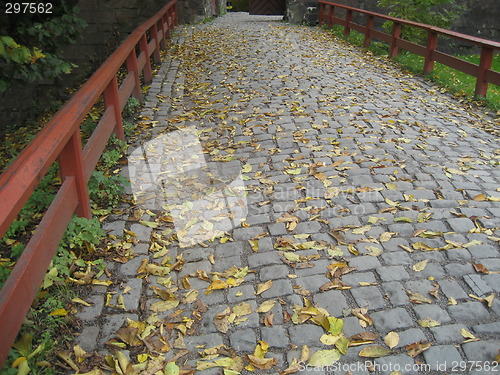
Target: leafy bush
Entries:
(30, 43)
(440, 13)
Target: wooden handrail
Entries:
(60, 141)
(482, 71)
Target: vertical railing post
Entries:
(368, 33)
(143, 46)
(71, 164)
(348, 19)
(174, 15)
(321, 10)
(111, 98)
(484, 64)
(432, 41)
(134, 69)
(163, 43)
(396, 34)
(156, 53)
(331, 14)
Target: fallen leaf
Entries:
(467, 335)
(391, 339)
(324, 357)
(261, 288)
(416, 348)
(428, 322)
(420, 266)
(374, 351)
(266, 306)
(480, 268)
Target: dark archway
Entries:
(268, 7)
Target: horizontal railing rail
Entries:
(60, 142)
(482, 71)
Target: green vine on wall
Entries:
(31, 43)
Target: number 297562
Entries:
(33, 8)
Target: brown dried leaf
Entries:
(480, 268)
(416, 348)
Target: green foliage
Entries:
(105, 190)
(30, 44)
(133, 104)
(36, 342)
(240, 6)
(82, 233)
(440, 13)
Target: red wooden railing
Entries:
(483, 72)
(59, 141)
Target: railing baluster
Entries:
(132, 67)
(432, 41)
(156, 53)
(331, 14)
(111, 98)
(163, 43)
(71, 164)
(143, 46)
(369, 27)
(396, 34)
(348, 20)
(484, 64)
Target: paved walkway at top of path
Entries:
(334, 185)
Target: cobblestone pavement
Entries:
(366, 193)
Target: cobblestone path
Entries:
(298, 179)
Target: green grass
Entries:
(456, 82)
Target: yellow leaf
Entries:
(294, 171)
(427, 323)
(261, 288)
(162, 306)
(216, 284)
(329, 339)
(324, 357)
(266, 306)
(386, 236)
(254, 244)
(404, 219)
(373, 251)
(466, 334)
(150, 224)
(391, 202)
(391, 339)
(18, 361)
(171, 369)
(247, 168)
(374, 351)
(59, 312)
(261, 349)
(292, 257)
(420, 266)
(243, 308)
